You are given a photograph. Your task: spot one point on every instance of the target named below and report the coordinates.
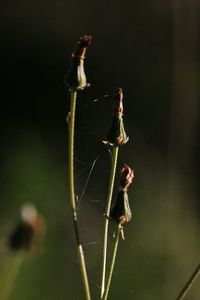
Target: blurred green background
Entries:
(151, 49)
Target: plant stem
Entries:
(107, 213)
(9, 276)
(117, 234)
(72, 195)
(189, 283)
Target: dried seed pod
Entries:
(29, 231)
(117, 135)
(120, 211)
(75, 78)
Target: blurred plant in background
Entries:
(25, 238)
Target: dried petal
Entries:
(119, 102)
(127, 175)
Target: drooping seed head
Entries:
(75, 78)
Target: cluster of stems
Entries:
(76, 80)
(120, 210)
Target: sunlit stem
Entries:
(72, 195)
(8, 278)
(116, 241)
(189, 284)
(107, 213)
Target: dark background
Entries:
(151, 49)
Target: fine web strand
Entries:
(85, 166)
(87, 179)
(96, 100)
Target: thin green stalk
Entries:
(72, 195)
(189, 284)
(117, 234)
(8, 278)
(107, 213)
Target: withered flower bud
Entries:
(120, 211)
(29, 231)
(127, 175)
(117, 135)
(75, 77)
